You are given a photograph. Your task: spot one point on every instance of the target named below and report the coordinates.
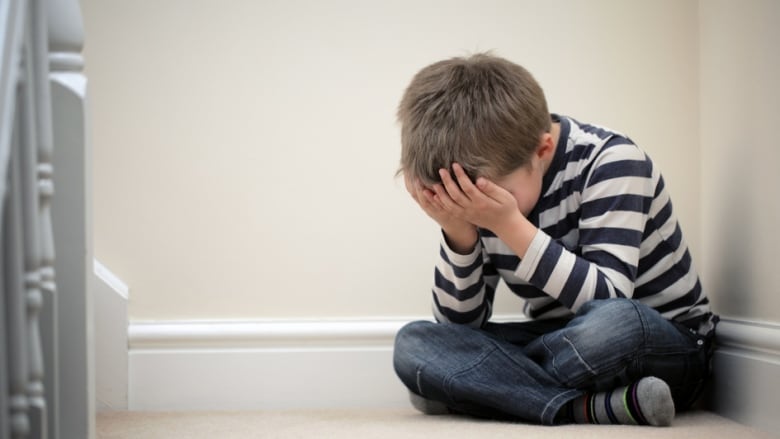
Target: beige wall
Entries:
(244, 151)
(740, 156)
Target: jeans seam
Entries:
(579, 357)
(419, 383)
(568, 395)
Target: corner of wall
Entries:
(745, 370)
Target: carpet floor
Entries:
(381, 424)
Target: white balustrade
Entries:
(31, 320)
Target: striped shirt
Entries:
(606, 229)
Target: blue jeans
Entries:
(529, 370)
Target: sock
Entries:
(645, 402)
(428, 406)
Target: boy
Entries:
(576, 220)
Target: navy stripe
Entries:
(546, 265)
(659, 188)
(505, 262)
(686, 301)
(663, 215)
(664, 248)
(459, 271)
(625, 202)
(618, 169)
(485, 233)
(526, 291)
(564, 226)
(616, 141)
(574, 283)
(608, 405)
(459, 316)
(669, 277)
(602, 133)
(553, 199)
(608, 260)
(490, 293)
(449, 287)
(602, 288)
(552, 306)
(488, 269)
(610, 235)
(578, 153)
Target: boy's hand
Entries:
(461, 235)
(484, 204)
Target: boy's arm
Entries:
(464, 280)
(464, 286)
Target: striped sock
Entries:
(645, 402)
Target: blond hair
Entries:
(483, 112)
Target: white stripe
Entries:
(461, 283)
(617, 219)
(588, 285)
(681, 287)
(620, 186)
(560, 275)
(533, 255)
(556, 213)
(509, 277)
(572, 170)
(659, 203)
(497, 246)
(462, 306)
(649, 244)
(662, 266)
(459, 259)
(625, 253)
(617, 153)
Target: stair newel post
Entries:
(13, 271)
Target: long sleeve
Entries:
(464, 286)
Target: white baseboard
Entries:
(746, 367)
(263, 365)
(110, 308)
(218, 365)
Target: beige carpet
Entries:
(380, 424)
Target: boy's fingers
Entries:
(443, 197)
(463, 180)
(492, 190)
(453, 190)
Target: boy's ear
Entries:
(546, 147)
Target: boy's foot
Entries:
(645, 402)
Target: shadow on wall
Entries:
(734, 259)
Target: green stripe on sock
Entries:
(625, 405)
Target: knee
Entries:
(410, 339)
(613, 315)
(618, 308)
(608, 322)
(409, 350)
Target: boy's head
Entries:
(483, 112)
